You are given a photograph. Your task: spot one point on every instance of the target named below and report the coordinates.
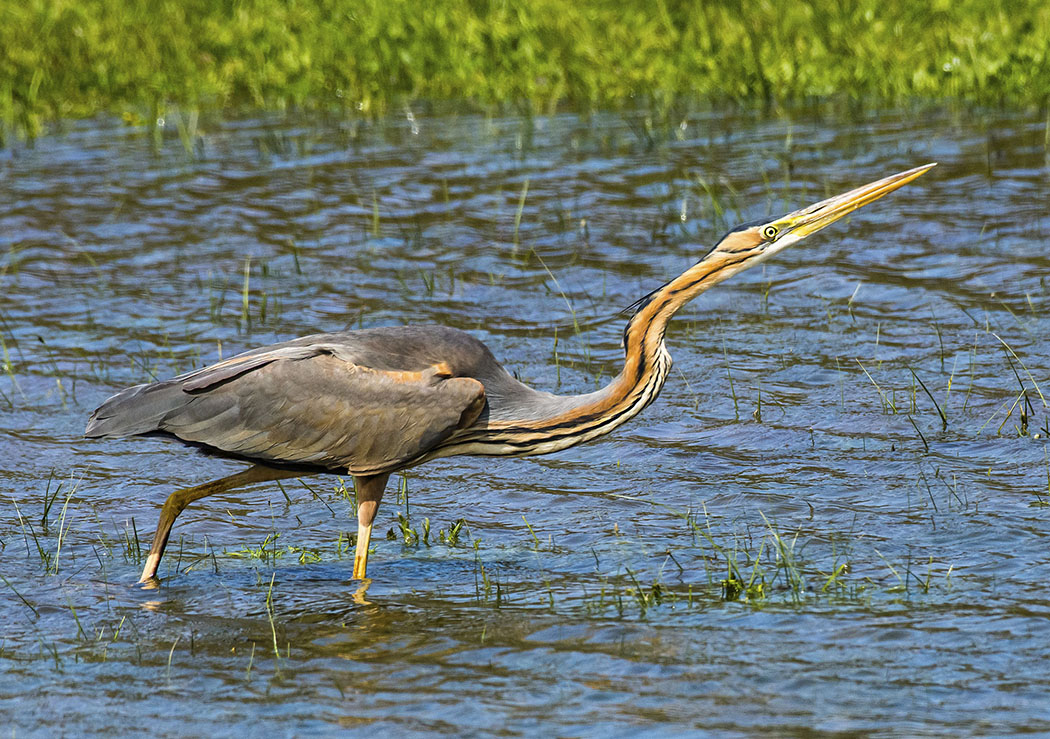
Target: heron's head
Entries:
(757, 241)
(747, 245)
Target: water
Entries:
(888, 569)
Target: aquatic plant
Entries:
(163, 62)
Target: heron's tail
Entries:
(137, 410)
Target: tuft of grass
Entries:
(268, 552)
(520, 210)
(766, 566)
(270, 615)
(729, 375)
(246, 315)
(157, 65)
(451, 537)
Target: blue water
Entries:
(789, 540)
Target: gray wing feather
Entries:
(303, 404)
(236, 366)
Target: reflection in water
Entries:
(833, 518)
(362, 590)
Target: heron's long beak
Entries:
(812, 218)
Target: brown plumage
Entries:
(374, 401)
(325, 403)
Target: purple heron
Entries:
(370, 402)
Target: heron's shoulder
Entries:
(406, 347)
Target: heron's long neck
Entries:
(547, 423)
(646, 359)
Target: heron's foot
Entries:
(369, 493)
(149, 572)
(360, 563)
(150, 583)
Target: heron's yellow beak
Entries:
(812, 218)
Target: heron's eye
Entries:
(770, 232)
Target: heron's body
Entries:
(374, 401)
(363, 402)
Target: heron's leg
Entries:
(178, 501)
(369, 493)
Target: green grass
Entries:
(151, 59)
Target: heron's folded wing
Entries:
(234, 367)
(141, 409)
(313, 408)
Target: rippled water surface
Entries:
(790, 538)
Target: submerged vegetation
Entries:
(61, 59)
